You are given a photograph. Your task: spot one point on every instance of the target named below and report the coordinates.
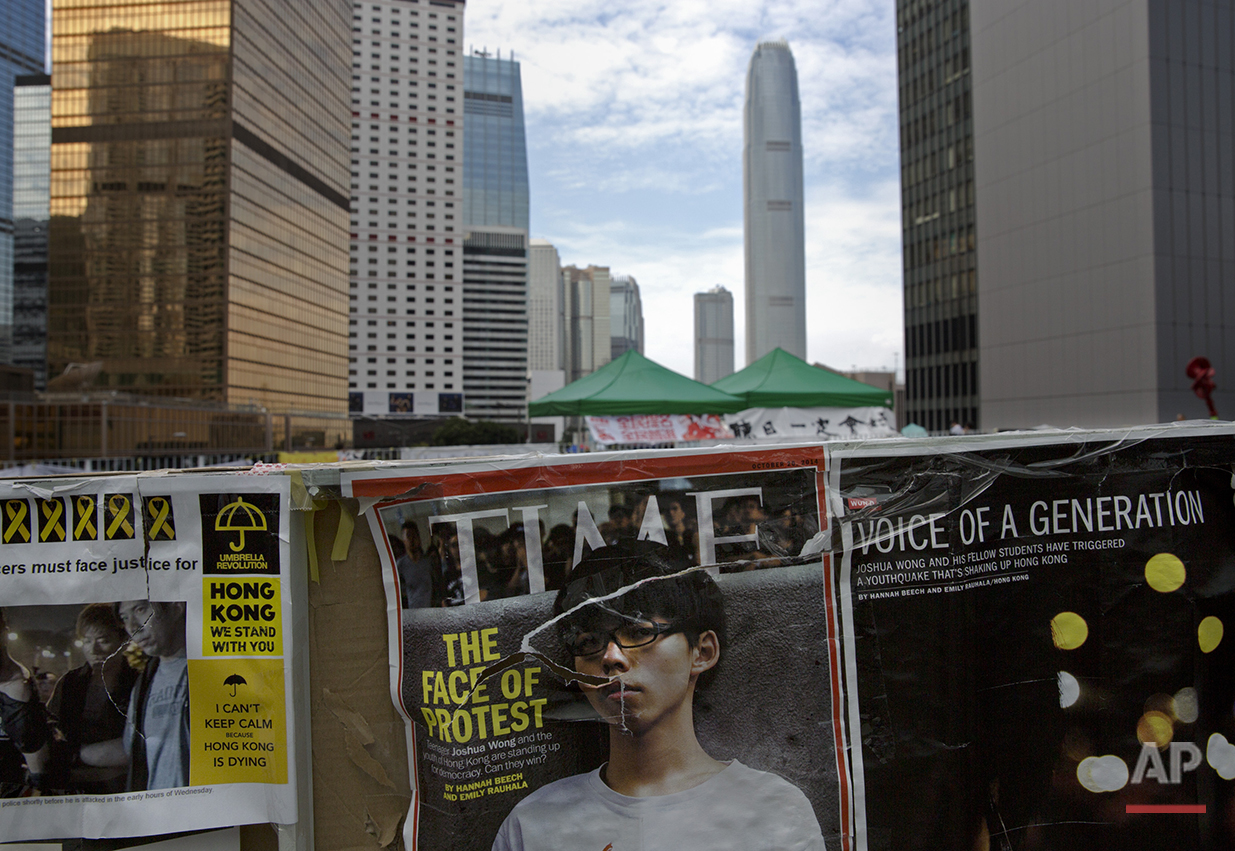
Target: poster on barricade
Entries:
(1033, 647)
(589, 649)
(144, 666)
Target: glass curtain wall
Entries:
(198, 243)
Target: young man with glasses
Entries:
(646, 631)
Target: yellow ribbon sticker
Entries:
(17, 512)
(118, 510)
(162, 523)
(51, 527)
(85, 529)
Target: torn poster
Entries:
(143, 663)
(1032, 641)
(532, 602)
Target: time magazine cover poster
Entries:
(556, 621)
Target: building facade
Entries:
(1066, 234)
(773, 198)
(713, 334)
(1106, 203)
(199, 206)
(546, 308)
(938, 213)
(495, 247)
(31, 212)
(495, 184)
(23, 51)
(588, 328)
(625, 317)
(406, 323)
(495, 324)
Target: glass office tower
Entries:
(199, 198)
(495, 187)
(22, 51)
(495, 212)
(31, 201)
(937, 203)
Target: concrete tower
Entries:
(405, 329)
(713, 334)
(772, 184)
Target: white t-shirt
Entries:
(739, 808)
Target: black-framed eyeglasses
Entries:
(589, 642)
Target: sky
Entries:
(634, 131)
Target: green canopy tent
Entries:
(780, 380)
(632, 384)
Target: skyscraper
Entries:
(937, 203)
(31, 209)
(625, 317)
(772, 184)
(546, 308)
(713, 334)
(546, 332)
(495, 210)
(1085, 140)
(198, 213)
(589, 327)
(405, 330)
(495, 184)
(22, 51)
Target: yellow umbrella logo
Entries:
(240, 517)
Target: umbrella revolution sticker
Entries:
(240, 566)
(243, 734)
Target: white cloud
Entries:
(634, 122)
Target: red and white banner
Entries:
(657, 428)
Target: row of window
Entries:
(404, 351)
(936, 163)
(924, 43)
(953, 112)
(930, 78)
(958, 241)
(394, 166)
(938, 290)
(937, 204)
(949, 379)
(376, 9)
(943, 335)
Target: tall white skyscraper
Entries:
(547, 354)
(546, 308)
(772, 184)
(713, 334)
(405, 335)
